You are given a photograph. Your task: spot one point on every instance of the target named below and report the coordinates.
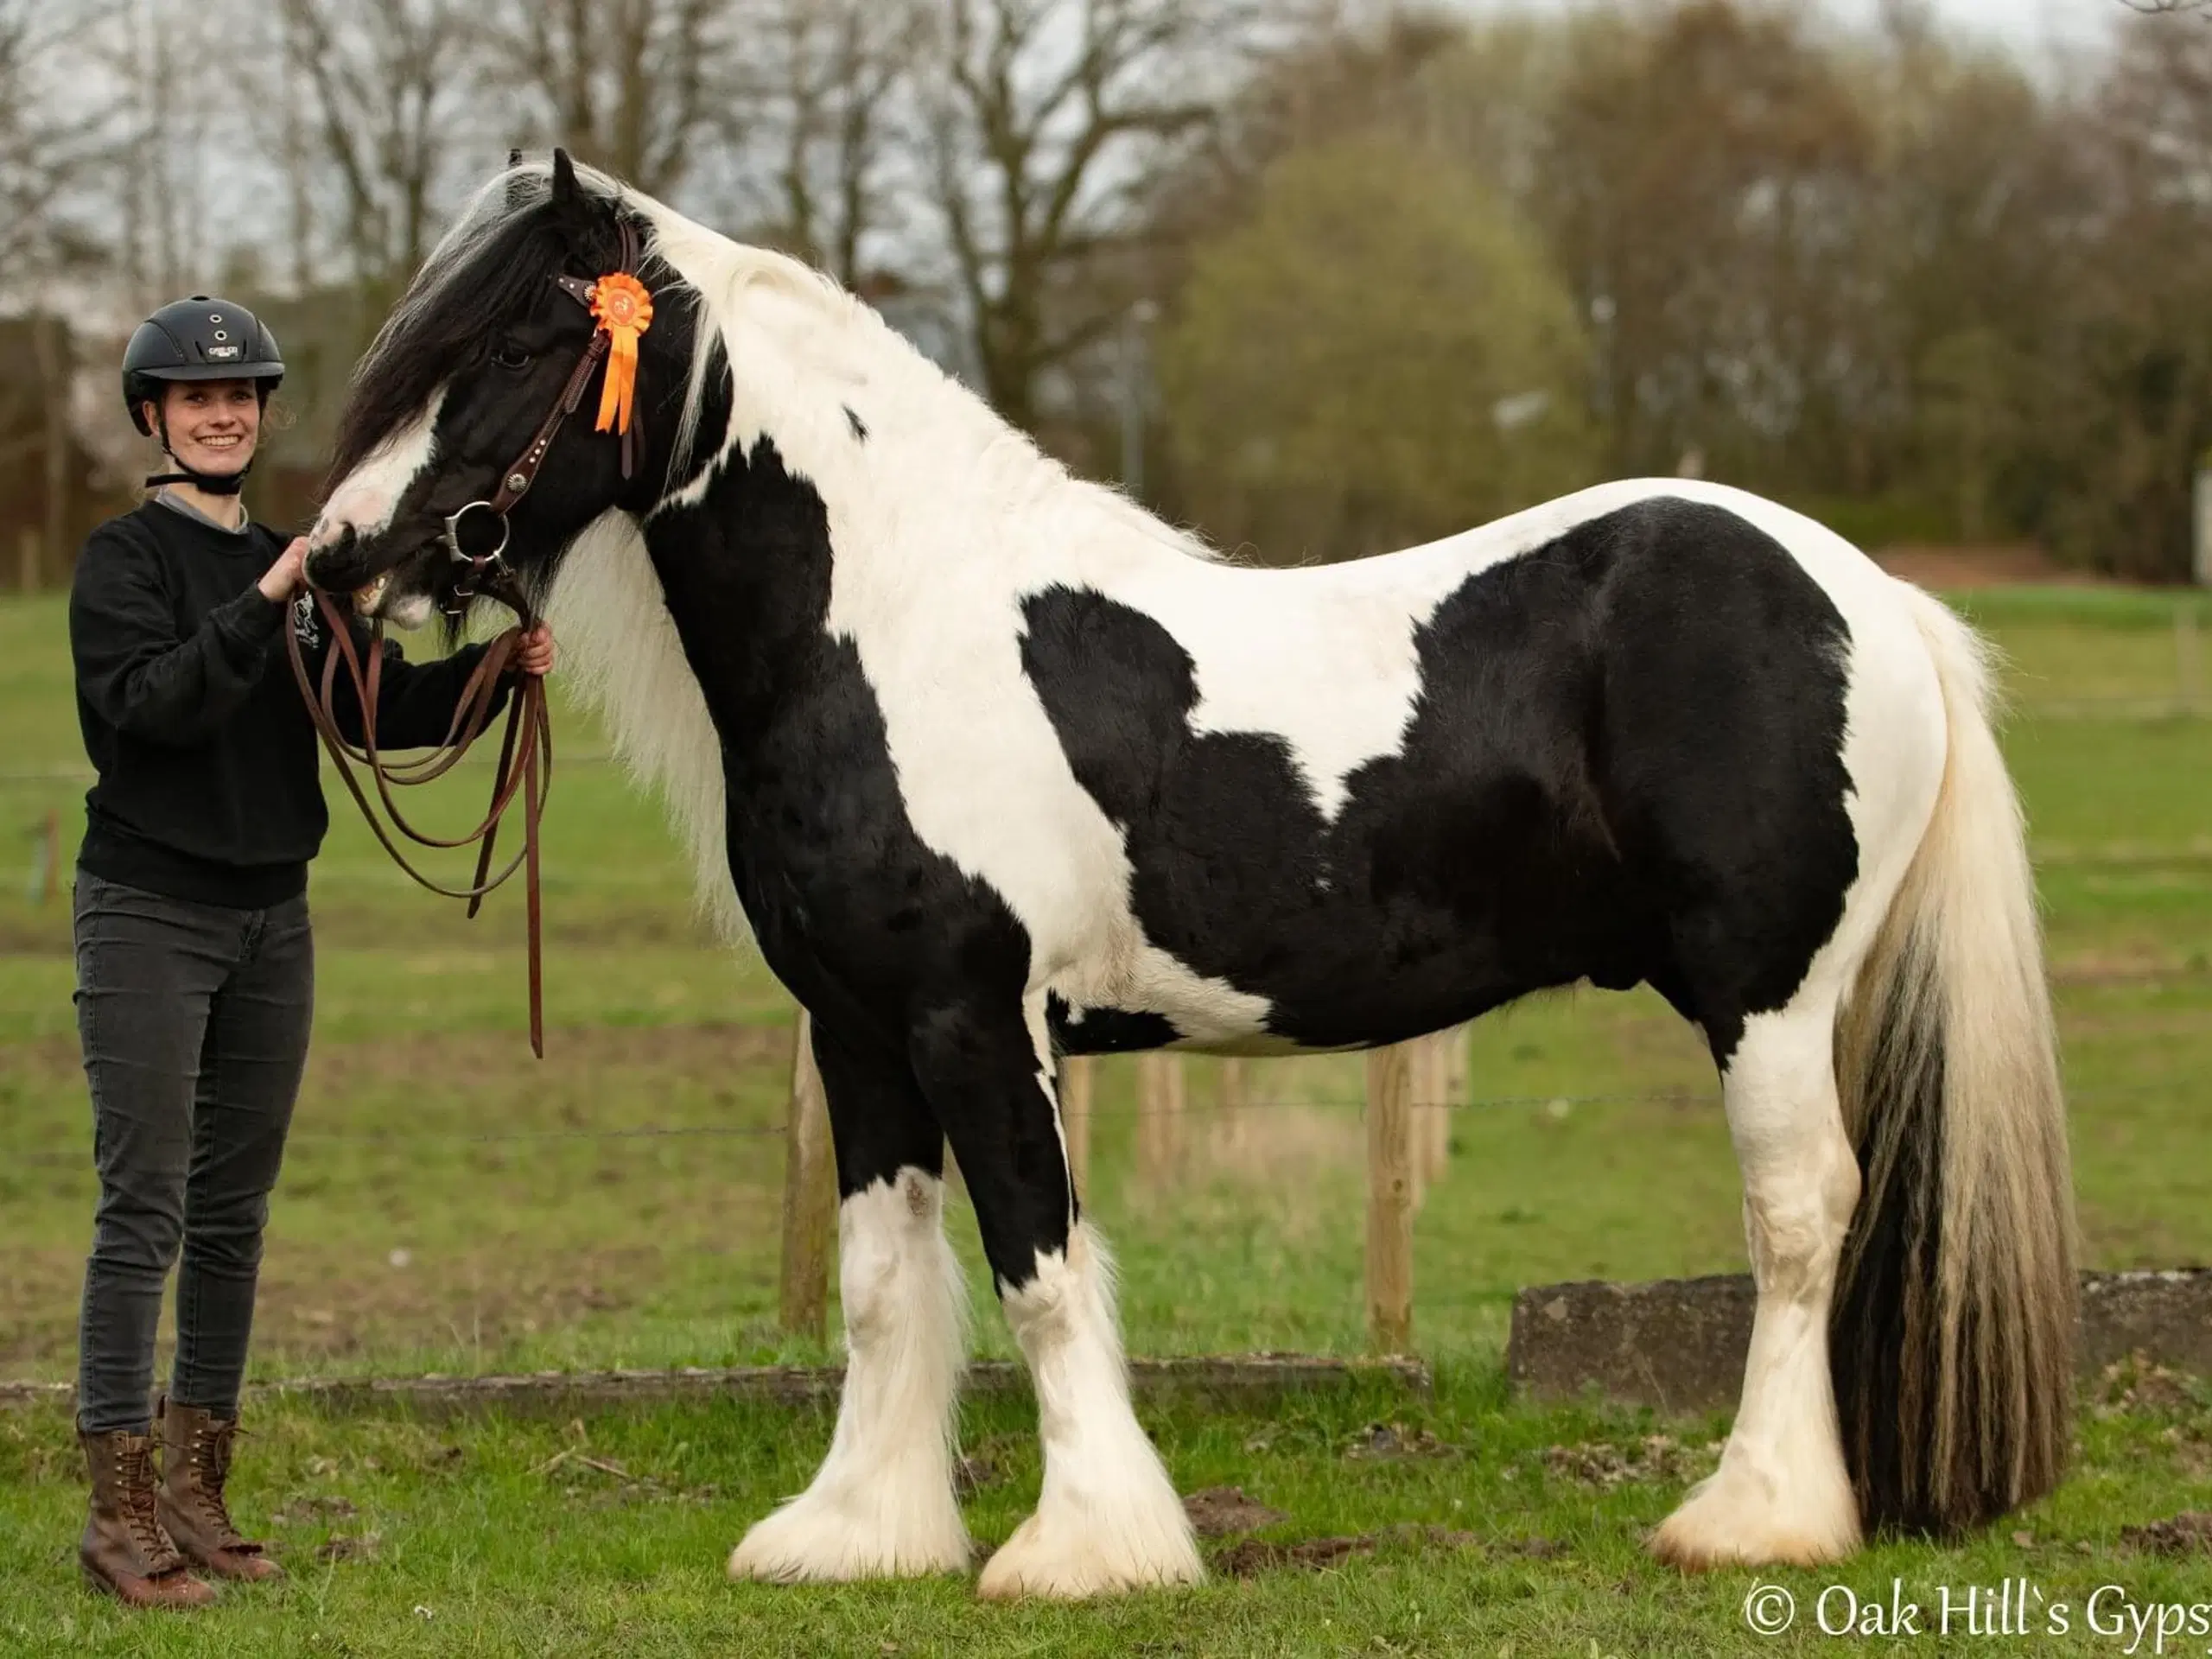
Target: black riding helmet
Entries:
(197, 339)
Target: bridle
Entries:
(476, 535)
(476, 538)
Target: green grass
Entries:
(448, 1205)
(488, 1541)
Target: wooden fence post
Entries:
(1232, 1107)
(1390, 1199)
(1159, 1112)
(1434, 1099)
(2188, 656)
(45, 862)
(810, 1194)
(1078, 1082)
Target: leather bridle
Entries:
(476, 538)
(480, 544)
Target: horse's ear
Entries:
(515, 192)
(565, 191)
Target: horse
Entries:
(997, 767)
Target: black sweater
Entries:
(209, 788)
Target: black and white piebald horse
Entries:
(997, 767)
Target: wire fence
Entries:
(1196, 1111)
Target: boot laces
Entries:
(210, 1453)
(135, 1466)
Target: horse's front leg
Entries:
(882, 1503)
(1108, 1517)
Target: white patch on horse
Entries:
(366, 499)
(620, 655)
(1108, 1517)
(882, 1503)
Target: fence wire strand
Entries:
(1196, 1110)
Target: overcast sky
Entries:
(2035, 28)
(2046, 34)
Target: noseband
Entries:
(476, 535)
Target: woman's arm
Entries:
(132, 667)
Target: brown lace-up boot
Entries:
(195, 1461)
(125, 1551)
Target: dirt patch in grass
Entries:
(1384, 1442)
(1655, 1458)
(472, 1060)
(1254, 1556)
(2187, 1534)
(341, 1547)
(468, 1061)
(2137, 1387)
(1224, 1511)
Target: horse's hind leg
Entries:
(882, 1503)
(1782, 1493)
(1108, 1518)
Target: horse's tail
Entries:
(1952, 1339)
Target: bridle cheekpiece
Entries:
(621, 309)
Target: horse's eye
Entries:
(510, 357)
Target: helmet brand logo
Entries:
(222, 353)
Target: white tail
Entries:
(1953, 1331)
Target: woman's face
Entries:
(212, 424)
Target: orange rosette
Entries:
(624, 310)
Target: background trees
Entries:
(1296, 257)
(1381, 354)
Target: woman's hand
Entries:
(534, 654)
(286, 576)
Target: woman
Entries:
(196, 968)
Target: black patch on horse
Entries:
(1106, 1031)
(913, 971)
(1624, 763)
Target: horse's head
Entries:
(447, 408)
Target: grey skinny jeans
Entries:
(194, 1021)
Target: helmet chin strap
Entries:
(212, 483)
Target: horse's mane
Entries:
(724, 272)
(507, 241)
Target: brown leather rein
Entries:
(525, 766)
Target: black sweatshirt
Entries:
(208, 787)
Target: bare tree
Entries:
(387, 82)
(825, 107)
(628, 85)
(51, 148)
(1048, 119)
(53, 151)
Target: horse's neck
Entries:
(925, 489)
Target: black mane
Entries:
(452, 313)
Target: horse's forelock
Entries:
(485, 271)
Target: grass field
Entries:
(448, 1205)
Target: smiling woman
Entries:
(195, 967)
